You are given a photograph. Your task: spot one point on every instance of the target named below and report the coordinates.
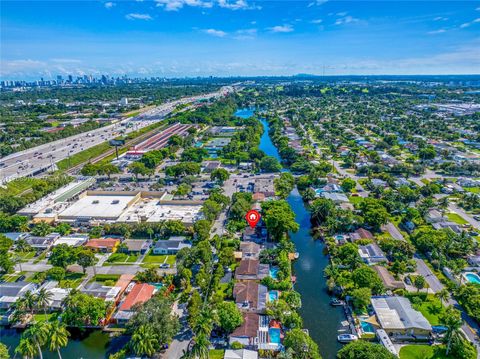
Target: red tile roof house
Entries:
(140, 293)
(250, 296)
(106, 245)
(247, 333)
(361, 233)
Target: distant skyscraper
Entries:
(59, 79)
(70, 78)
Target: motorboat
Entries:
(346, 338)
(336, 302)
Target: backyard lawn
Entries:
(456, 218)
(423, 352)
(431, 309)
(71, 280)
(40, 317)
(473, 189)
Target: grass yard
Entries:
(473, 189)
(24, 256)
(355, 199)
(456, 218)
(40, 317)
(431, 309)
(105, 277)
(216, 353)
(159, 259)
(121, 258)
(423, 352)
(10, 278)
(18, 186)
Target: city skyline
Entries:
(177, 38)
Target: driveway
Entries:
(393, 231)
(180, 342)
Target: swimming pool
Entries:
(274, 335)
(272, 295)
(274, 272)
(367, 327)
(472, 277)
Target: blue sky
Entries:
(176, 38)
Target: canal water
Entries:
(87, 345)
(321, 319)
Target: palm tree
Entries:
(29, 301)
(201, 347)
(37, 334)
(144, 341)
(443, 296)
(453, 321)
(26, 348)
(44, 297)
(58, 336)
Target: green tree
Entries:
(86, 258)
(63, 228)
(63, 255)
(138, 168)
(284, 184)
(4, 351)
(37, 334)
(83, 310)
(361, 349)
(451, 319)
(229, 316)
(220, 175)
(144, 341)
(43, 299)
(41, 229)
(279, 218)
(419, 282)
(57, 336)
(27, 348)
(270, 164)
(348, 184)
(302, 345)
(361, 297)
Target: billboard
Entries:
(117, 142)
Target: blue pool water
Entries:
(472, 278)
(274, 334)
(367, 327)
(244, 112)
(272, 295)
(274, 272)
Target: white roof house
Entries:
(395, 314)
(240, 354)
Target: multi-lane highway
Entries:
(40, 158)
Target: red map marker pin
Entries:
(252, 217)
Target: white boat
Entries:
(347, 338)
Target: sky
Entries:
(177, 38)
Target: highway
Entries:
(37, 159)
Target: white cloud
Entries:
(346, 20)
(440, 18)
(317, 3)
(66, 61)
(245, 34)
(467, 24)
(282, 28)
(217, 33)
(435, 32)
(317, 21)
(136, 16)
(109, 4)
(343, 13)
(175, 5)
(476, 20)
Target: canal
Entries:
(321, 319)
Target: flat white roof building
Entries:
(98, 206)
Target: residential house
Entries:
(136, 246)
(450, 225)
(396, 316)
(10, 292)
(251, 269)
(361, 233)
(387, 278)
(250, 296)
(246, 334)
(171, 246)
(58, 294)
(73, 240)
(434, 216)
(42, 243)
(371, 253)
(335, 197)
(97, 290)
(105, 245)
(249, 250)
(140, 293)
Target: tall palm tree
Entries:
(26, 348)
(58, 336)
(43, 299)
(453, 321)
(144, 341)
(37, 334)
(443, 295)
